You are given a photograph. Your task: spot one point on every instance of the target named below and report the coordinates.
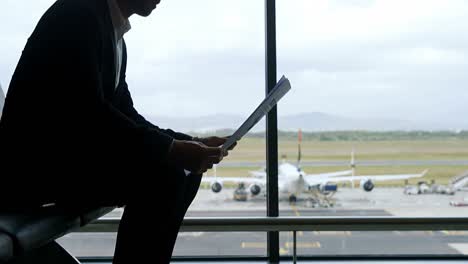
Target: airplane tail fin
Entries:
(353, 168)
(299, 152)
(424, 173)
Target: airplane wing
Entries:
(247, 180)
(327, 174)
(314, 179)
(389, 177)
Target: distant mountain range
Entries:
(314, 121)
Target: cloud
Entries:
(363, 58)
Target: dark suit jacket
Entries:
(63, 115)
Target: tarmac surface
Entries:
(347, 202)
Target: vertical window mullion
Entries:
(271, 128)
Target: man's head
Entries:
(144, 7)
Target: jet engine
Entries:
(255, 189)
(216, 187)
(367, 185)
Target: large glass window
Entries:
(372, 124)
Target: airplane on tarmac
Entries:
(292, 180)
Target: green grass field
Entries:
(253, 150)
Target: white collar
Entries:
(120, 23)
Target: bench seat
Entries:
(22, 231)
(6, 248)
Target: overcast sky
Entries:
(402, 59)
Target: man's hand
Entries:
(215, 142)
(194, 156)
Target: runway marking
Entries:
(455, 233)
(332, 233)
(304, 245)
(283, 251)
(296, 212)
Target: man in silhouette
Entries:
(71, 136)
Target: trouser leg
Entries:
(190, 187)
(143, 236)
(148, 228)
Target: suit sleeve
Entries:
(75, 38)
(127, 107)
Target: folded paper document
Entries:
(281, 88)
